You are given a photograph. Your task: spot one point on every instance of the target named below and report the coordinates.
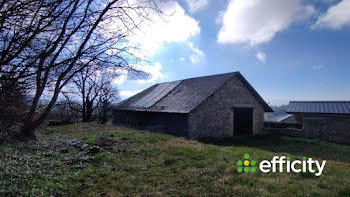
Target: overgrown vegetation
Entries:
(94, 160)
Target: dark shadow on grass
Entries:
(295, 146)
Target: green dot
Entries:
(253, 163)
(246, 156)
(246, 169)
(304, 158)
(253, 169)
(239, 169)
(288, 158)
(239, 162)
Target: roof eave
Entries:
(319, 113)
(266, 107)
(269, 109)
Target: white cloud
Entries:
(257, 21)
(261, 56)
(153, 71)
(122, 76)
(196, 50)
(336, 16)
(219, 19)
(196, 55)
(195, 5)
(194, 59)
(176, 26)
(126, 93)
(305, 12)
(182, 59)
(317, 67)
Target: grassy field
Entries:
(91, 160)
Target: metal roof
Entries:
(153, 96)
(183, 96)
(319, 107)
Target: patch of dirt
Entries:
(105, 141)
(65, 146)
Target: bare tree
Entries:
(92, 87)
(62, 113)
(108, 98)
(47, 42)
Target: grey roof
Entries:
(319, 107)
(182, 96)
(154, 95)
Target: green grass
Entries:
(119, 161)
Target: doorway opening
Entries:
(243, 121)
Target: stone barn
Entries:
(210, 106)
(329, 120)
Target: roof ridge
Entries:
(338, 101)
(199, 77)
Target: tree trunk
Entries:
(28, 130)
(31, 123)
(104, 112)
(88, 111)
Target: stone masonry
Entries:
(215, 116)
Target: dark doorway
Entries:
(243, 121)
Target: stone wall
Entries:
(282, 125)
(214, 117)
(329, 127)
(170, 123)
(334, 128)
(289, 132)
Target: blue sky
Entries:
(288, 50)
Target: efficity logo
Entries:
(283, 164)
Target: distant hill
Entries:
(280, 111)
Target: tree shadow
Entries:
(295, 146)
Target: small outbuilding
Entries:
(328, 120)
(210, 106)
